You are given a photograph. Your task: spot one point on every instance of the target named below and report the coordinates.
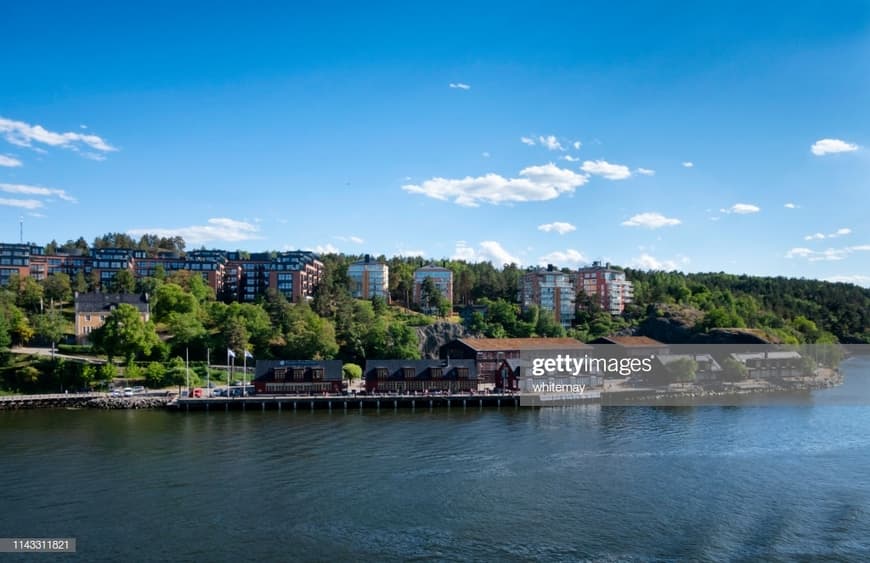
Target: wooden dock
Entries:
(342, 403)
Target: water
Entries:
(779, 482)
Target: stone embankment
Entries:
(85, 400)
(142, 402)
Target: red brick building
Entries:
(490, 352)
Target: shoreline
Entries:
(689, 395)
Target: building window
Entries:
(382, 373)
(279, 373)
(462, 373)
(317, 374)
(435, 373)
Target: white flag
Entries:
(249, 355)
(230, 353)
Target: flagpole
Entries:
(207, 372)
(245, 374)
(187, 368)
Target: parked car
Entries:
(128, 391)
(138, 389)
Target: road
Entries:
(34, 351)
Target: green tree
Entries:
(177, 374)
(5, 337)
(734, 370)
(57, 288)
(123, 282)
(51, 326)
(107, 373)
(187, 330)
(80, 284)
(133, 371)
(430, 295)
(547, 325)
(170, 298)
(125, 334)
(155, 375)
(308, 335)
(683, 369)
(351, 372)
(30, 294)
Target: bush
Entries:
(75, 349)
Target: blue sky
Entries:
(698, 136)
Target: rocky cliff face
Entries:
(433, 337)
(672, 324)
(677, 325)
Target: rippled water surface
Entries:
(775, 482)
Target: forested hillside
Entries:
(187, 319)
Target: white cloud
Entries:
(561, 258)
(557, 227)
(790, 206)
(353, 239)
(217, 229)
(536, 183)
(856, 279)
(487, 251)
(688, 164)
(651, 221)
(577, 145)
(648, 262)
(36, 190)
(409, 253)
(832, 146)
(551, 143)
(324, 249)
(485, 154)
(828, 255)
(570, 158)
(742, 209)
(460, 86)
(645, 171)
(37, 215)
(527, 141)
(24, 135)
(8, 161)
(23, 203)
(821, 236)
(606, 169)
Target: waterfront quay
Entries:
(332, 403)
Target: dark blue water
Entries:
(778, 482)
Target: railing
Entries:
(50, 396)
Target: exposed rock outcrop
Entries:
(675, 324)
(433, 337)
